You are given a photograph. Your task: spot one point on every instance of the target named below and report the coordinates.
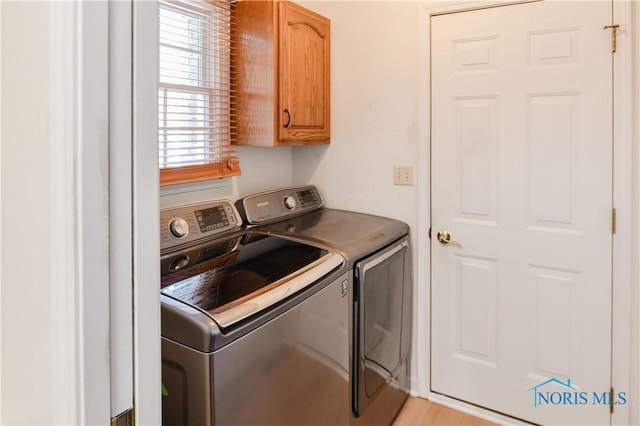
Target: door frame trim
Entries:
(625, 242)
(78, 327)
(146, 220)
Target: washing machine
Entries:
(254, 325)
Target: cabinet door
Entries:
(303, 76)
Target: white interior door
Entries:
(521, 179)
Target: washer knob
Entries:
(179, 263)
(179, 227)
(290, 202)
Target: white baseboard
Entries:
(474, 410)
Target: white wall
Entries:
(374, 123)
(374, 116)
(26, 378)
(55, 335)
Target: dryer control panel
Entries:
(193, 222)
(279, 204)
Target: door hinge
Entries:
(429, 233)
(613, 221)
(614, 31)
(611, 401)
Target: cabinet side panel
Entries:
(255, 72)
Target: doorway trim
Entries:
(625, 186)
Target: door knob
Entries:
(445, 238)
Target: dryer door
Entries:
(382, 282)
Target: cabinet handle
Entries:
(288, 123)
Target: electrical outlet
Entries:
(403, 175)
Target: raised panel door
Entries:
(304, 49)
(521, 179)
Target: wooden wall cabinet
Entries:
(282, 74)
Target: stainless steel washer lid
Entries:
(257, 272)
(351, 234)
(298, 213)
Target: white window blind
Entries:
(195, 98)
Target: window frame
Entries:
(218, 159)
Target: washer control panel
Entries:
(185, 224)
(279, 204)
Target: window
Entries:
(195, 97)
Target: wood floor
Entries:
(420, 412)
